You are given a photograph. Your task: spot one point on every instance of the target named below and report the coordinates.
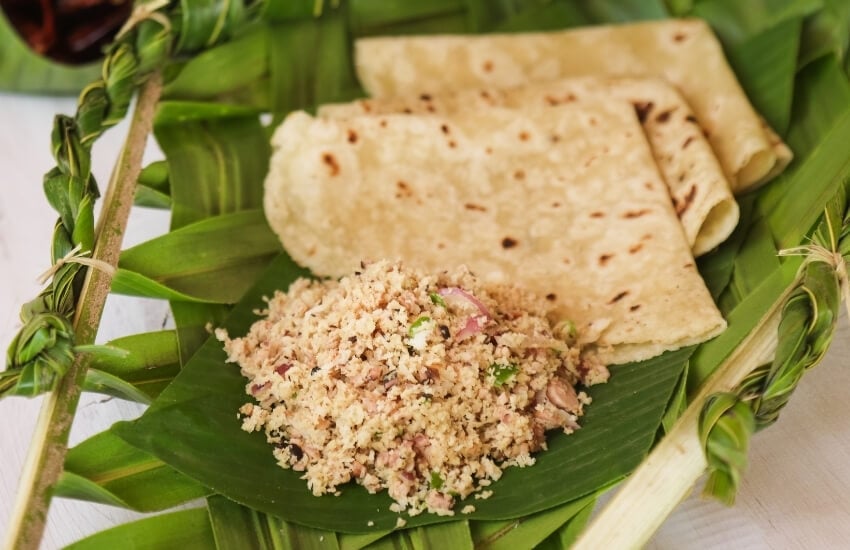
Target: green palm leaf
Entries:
(213, 260)
(105, 469)
(187, 530)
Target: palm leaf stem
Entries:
(652, 491)
(47, 451)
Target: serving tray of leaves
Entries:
(442, 273)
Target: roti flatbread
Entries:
(567, 201)
(684, 52)
(699, 189)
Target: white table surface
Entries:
(796, 493)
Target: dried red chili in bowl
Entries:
(68, 31)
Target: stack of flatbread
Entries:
(590, 165)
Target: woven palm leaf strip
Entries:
(806, 327)
(43, 350)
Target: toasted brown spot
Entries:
(706, 133)
(473, 206)
(551, 297)
(556, 204)
(311, 251)
(636, 213)
(552, 100)
(603, 259)
(619, 297)
(444, 128)
(408, 111)
(488, 66)
(554, 138)
(691, 119)
(681, 177)
(643, 108)
(489, 150)
(508, 242)
(352, 136)
(567, 261)
(664, 116)
(597, 214)
(592, 121)
(688, 141)
(519, 174)
(366, 106)
(425, 97)
(686, 201)
(485, 94)
(646, 237)
(649, 185)
(441, 245)
(331, 163)
(634, 307)
(590, 160)
(679, 36)
(689, 265)
(452, 143)
(383, 123)
(403, 189)
(431, 108)
(523, 136)
(635, 248)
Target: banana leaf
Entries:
(790, 57)
(193, 427)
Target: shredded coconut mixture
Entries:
(424, 385)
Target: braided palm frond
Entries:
(158, 30)
(806, 328)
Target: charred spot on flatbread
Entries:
(330, 161)
(643, 108)
(685, 202)
(664, 116)
(632, 214)
(619, 296)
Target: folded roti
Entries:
(699, 189)
(567, 201)
(684, 52)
